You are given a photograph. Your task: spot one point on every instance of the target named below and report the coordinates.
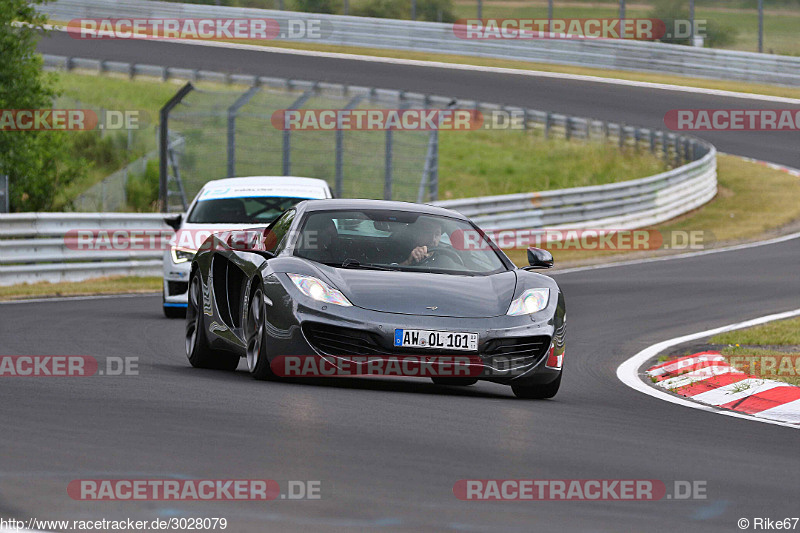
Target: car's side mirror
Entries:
(174, 221)
(538, 258)
(254, 241)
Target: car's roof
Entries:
(264, 186)
(247, 181)
(351, 203)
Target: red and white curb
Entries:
(628, 372)
(708, 378)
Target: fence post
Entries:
(163, 141)
(233, 110)
(339, 183)
(434, 168)
(287, 146)
(5, 202)
(387, 166)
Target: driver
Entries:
(427, 235)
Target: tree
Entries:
(37, 162)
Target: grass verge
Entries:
(771, 350)
(111, 285)
(753, 202)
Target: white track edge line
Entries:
(628, 371)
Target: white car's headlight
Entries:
(530, 301)
(319, 290)
(181, 255)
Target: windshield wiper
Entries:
(352, 263)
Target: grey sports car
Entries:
(347, 281)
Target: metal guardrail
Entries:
(33, 247)
(624, 205)
(440, 38)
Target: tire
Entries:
(255, 336)
(455, 382)
(537, 392)
(197, 349)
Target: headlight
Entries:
(319, 290)
(181, 255)
(531, 301)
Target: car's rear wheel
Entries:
(197, 349)
(455, 382)
(537, 392)
(257, 361)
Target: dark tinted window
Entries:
(277, 233)
(257, 211)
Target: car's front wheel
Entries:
(257, 361)
(197, 350)
(537, 392)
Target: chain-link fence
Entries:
(229, 133)
(130, 148)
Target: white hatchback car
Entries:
(227, 204)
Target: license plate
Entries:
(441, 340)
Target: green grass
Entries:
(780, 332)
(745, 348)
(767, 364)
(111, 285)
(751, 200)
(111, 152)
(481, 163)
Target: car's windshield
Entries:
(396, 240)
(259, 210)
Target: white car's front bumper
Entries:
(176, 282)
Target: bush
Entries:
(385, 9)
(669, 11)
(318, 6)
(435, 10)
(142, 190)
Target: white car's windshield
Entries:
(256, 210)
(406, 241)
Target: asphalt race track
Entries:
(388, 451)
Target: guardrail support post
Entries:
(621, 135)
(163, 141)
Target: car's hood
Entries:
(417, 293)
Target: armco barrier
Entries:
(33, 249)
(440, 38)
(32, 246)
